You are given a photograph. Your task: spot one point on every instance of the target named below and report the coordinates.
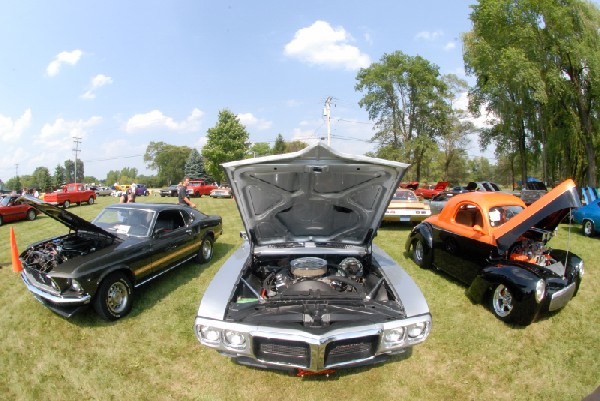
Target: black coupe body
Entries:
(126, 245)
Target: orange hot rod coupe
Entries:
(498, 247)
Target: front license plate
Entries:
(404, 218)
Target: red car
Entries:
(429, 191)
(12, 209)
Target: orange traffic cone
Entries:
(16, 262)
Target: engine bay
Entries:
(45, 256)
(532, 248)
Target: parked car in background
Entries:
(308, 289)
(101, 191)
(99, 263)
(429, 191)
(498, 247)
(589, 217)
(171, 190)
(409, 185)
(406, 207)
(532, 191)
(221, 192)
(12, 209)
(141, 190)
(199, 188)
(484, 186)
(70, 194)
(437, 203)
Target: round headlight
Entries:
(417, 329)
(234, 339)
(540, 290)
(580, 267)
(76, 286)
(210, 334)
(394, 335)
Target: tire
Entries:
(66, 204)
(588, 228)
(31, 215)
(91, 200)
(1, 221)
(206, 251)
(421, 254)
(114, 297)
(505, 306)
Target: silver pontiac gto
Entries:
(308, 289)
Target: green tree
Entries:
(59, 178)
(407, 99)
(41, 179)
(260, 149)
(537, 64)
(279, 146)
(194, 167)
(70, 171)
(169, 160)
(226, 141)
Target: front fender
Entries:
(422, 230)
(520, 280)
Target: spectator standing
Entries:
(182, 194)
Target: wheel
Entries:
(91, 200)
(421, 254)
(66, 204)
(205, 253)
(31, 214)
(113, 299)
(588, 228)
(505, 306)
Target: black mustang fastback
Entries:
(126, 245)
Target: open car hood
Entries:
(313, 195)
(545, 213)
(69, 219)
(441, 185)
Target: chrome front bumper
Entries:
(562, 297)
(54, 298)
(292, 348)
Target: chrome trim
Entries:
(317, 344)
(562, 297)
(57, 299)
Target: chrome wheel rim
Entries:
(117, 297)
(587, 228)
(206, 250)
(502, 301)
(419, 251)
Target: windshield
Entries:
(499, 215)
(132, 222)
(405, 196)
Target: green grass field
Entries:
(153, 354)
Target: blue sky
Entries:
(119, 74)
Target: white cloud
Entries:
(429, 35)
(98, 81)
(63, 58)
(320, 44)
(11, 131)
(249, 120)
(59, 135)
(156, 119)
(450, 46)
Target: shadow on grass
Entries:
(152, 292)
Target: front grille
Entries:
(350, 350)
(282, 352)
(38, 277)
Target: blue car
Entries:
(589, 215)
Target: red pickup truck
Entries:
(199, 188)
(71, 193)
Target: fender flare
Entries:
(522, 281)
(421, 230)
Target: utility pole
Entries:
(327, 115)
(76, 141)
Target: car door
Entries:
(462, 248)
(15, 211)
(174, 239)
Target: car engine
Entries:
(531, 248)
(45, 256)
